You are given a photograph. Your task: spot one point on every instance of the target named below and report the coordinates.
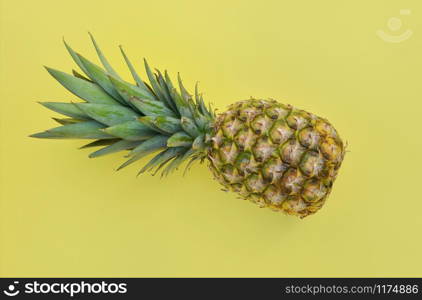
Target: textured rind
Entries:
(275, 155)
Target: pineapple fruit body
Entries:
(275, 155)
(272, 154)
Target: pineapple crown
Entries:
(143, 117)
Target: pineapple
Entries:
(272, 154)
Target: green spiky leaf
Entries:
(198, 143)
(108, 114)
(189, 126)
(182, 106)
(154, 83)
(138, 80)
(149, 121)
(151, 108)
(180, 139)
(83, 89)
(166, 92)
(75, 57)
(155, 143)
(185, 94)
(128, 91)
(167, 125)
(104, 60)
(162, 158)
(178, 101)
(100, 77)
(200, 120)
(80, 76)
(99, 143)
(67, 121)
(116, 147)
(67, 109)
(82, 130)
(132, 131)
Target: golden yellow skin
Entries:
(275, 155)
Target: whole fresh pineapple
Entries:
(270, 153)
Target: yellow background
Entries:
(63, 214)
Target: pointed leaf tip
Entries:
(75, 57)
(103, 59)
(38, 135)
(138, 80)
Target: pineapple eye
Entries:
(274, 196)
(298, 120)
(263, 149)
(313, 190)
(331, 150)
(280, 132)
(309, 138)
(292, 180)
(274, 169)
(312, 163)
(292, 152)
